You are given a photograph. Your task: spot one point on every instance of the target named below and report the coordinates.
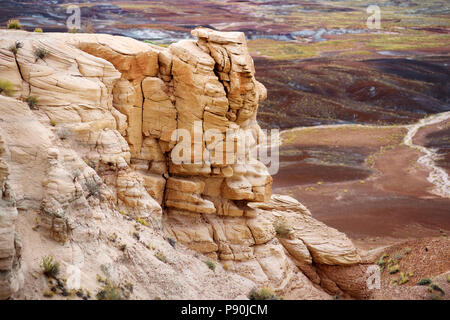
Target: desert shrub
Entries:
(264, 293)
(161, 257)
(50, 267)
(48, 293)
(15, 47)
(92, 188)
(64, 133)
(282, 229)
(40, 53)
(32, 102)
(14, 24)
(110, 291)
(382, 261)
(6, 88)
(38, 30)
(435, 287)
(74, 30)
(129, 286)
(424, 282)
(89, 28)
(403, 278)
(398, 255)
(394, 269)
(142, 221)
(211, 264)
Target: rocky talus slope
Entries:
(87, 175)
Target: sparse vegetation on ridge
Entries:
(211, 265)
(112, 291)
(424, 282)
(32, 102)
(50, 267)
(14, 24)
(6, 88)
(264, 293)
(15, 47)
(282, 229)
(92, 187)
(40, 53)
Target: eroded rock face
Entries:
(111, 115)
(10, 245)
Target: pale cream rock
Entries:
(326, 245)
(159, 114)
(121, 100)
(10, 247)
(9, 70)
(132, 193)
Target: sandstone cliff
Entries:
(94, 155)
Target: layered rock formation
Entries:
(111, 115)
(10, 246)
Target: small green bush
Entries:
(50, 267)
(110, 291)
(382, 261)
(403, 278)
(262, 294)
(32, 102)
(435, 287)
(211, 264)
(38, 30)
(15, 47)
(6, 88)
(14, 24)
(40, 53)
(424, 282)
(92, 188)
(74, 30)
(394, 269)
(282, 229)
(142, 221)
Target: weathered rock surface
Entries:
(10, 245)
(103, 139)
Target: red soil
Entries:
(391, 200)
